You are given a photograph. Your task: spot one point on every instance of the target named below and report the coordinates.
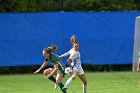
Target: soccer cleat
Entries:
(55, 86)
(65, 88)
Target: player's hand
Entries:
(48, 76)
(36, 71)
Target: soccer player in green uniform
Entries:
(58, 67)
(138, 69)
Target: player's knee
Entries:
(73, 77)
(85, 82)
(58, 81)
(44, 72)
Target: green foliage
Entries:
(137, 2)
(18, 69)
(90, 68)
(68, 5)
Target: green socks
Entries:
(60, 84)
(52, 79)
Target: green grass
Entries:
(115, 82)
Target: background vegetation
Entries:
(68, 5)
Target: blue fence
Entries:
(104, 37)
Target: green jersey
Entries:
(139, 54)
(54, 59)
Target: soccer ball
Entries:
(68, 70)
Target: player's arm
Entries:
(43, 65)
(72, 57)
(65, 54)
(56, 68)
(69, 62)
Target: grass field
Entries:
(114, 82)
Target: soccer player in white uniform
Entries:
(74, 63)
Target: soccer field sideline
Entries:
(103, 82)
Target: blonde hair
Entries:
(73, 40)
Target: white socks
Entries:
(84, 89)
(68, 81)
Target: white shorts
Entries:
(79, 70)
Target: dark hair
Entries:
(47, 50)
(53, 48)
(50, 49)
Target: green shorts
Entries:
(60, 71)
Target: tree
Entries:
(68, 5)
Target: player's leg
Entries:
(138, 69)
(58, 79)
(48, 71)
(73, 76)
(60, 75)
(82, 76)
(59, 83)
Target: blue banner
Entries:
(104, 37)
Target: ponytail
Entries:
(73, 40)
(53, 48)
(50, 49)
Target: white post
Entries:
(136, 43)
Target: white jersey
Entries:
(75, 57)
